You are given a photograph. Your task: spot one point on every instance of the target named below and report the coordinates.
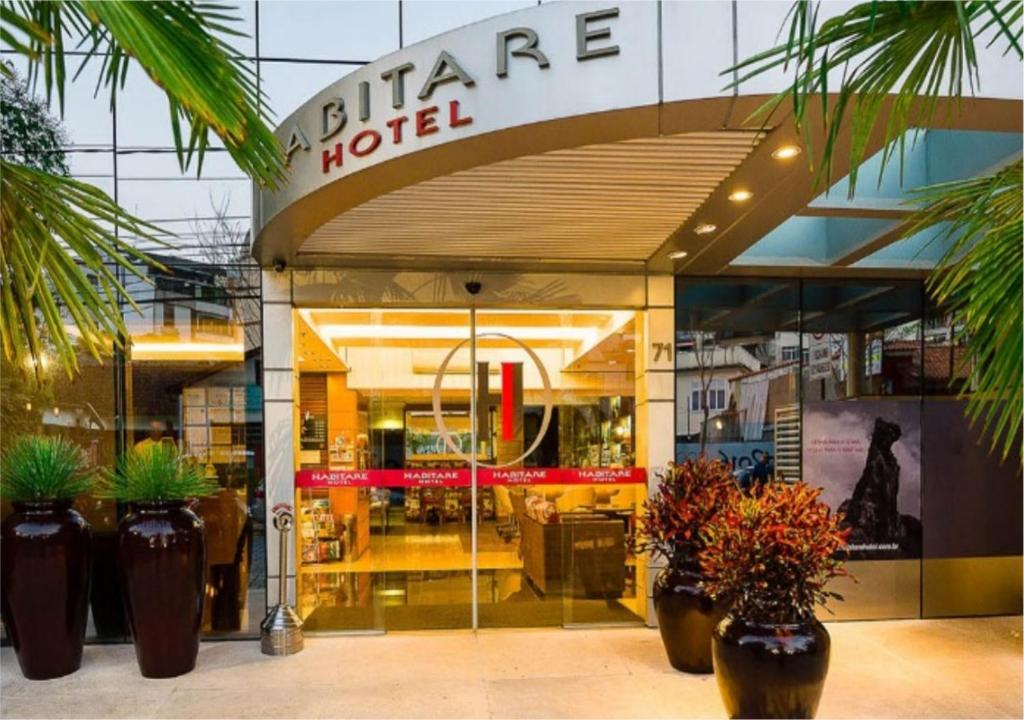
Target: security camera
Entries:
(280, 265)
(473, 287)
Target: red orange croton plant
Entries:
(688, 496)
(773, 551)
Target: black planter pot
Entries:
(686, 618)
(770, 671)
(46, 553)
(161, 550)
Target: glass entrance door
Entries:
(465, 468)
(556, 397)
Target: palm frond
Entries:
(208, 84)
(60, 254)
(911, 52)
(980, 280)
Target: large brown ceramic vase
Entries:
(686, 618)
(770, 670)
(161, 551)
(45, 586)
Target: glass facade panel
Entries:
(361, 31)
(197, 333)
(289, 84)
(565, 492)
(422, 20)
(193, 379)
(91, 163)
(185, 198)
(736, 375)
(824, 382)
(82, 409)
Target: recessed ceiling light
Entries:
(785, 152)
(740, 195)
(705, 228)
(677, 255)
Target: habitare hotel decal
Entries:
(349, 127)
(462, 477)
(510, 405)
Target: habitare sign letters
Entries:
(348, 128)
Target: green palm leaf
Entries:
(60, 255)
(896, 59)
(981, 280)
(180, 45)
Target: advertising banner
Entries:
(866, 455)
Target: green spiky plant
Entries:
(64, 248)
(897, 61)
(39, 468)
(156, 473)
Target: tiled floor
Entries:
(905, 669)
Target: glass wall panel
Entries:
(328, 30)
(193, 379)
(817, 381)
(143, 115)
(862, 432)
(863, 339)
(737, 369)
(289, 84)
(81, 408)
(422, 20)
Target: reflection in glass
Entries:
(385, 486)
(192, 379)
(80, 408)
(737, 366)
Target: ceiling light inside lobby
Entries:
(705, 228)
(739, 196)
(677, 255)
(785, 152)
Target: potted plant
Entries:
(688, 496)
(161, 553)
(46, 552)
(772, 552)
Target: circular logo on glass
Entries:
(511, 400)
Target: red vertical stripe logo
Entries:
(508, 401)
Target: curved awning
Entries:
(575, 135)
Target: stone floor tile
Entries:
(968, 668)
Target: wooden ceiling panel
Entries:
(613, 201)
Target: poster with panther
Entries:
(866, 456)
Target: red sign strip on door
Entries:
(461, 477)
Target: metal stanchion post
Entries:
(281, 630)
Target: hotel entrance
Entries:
(466, 468)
